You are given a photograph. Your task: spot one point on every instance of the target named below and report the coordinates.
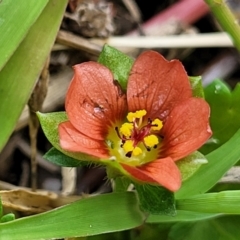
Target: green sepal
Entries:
(196, 85)
(119, 64)
(121, 184)
(225, 113)
(190, 164)
(7, 218)
(49, 123)
(60, 159)
(156, 199)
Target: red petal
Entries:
(74, 141)
(162, 171)
(157, 85)
(186, 128)
(93, 101)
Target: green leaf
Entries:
(225, 113)
(49, 123)
(119, 64)
(1, 208)
(222, 228)
(197, 88)
(7, 218)
(181, 216)
(155, 199)
(16, 20)
(219, 162)
(60, 159)
(226, 202)
(145, 232)
(190, 164)
(89, 216)
(23, 68)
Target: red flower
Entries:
(142, 132)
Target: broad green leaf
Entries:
(49, 123)
(119, 64)
(155, 199)
(89, 216)
(15, 22)
(149, 232)
(20, 73)
(222, 228)
(7, 218)
(190, 164)
(197, 88)
(225, 113)
(60, 159)
(225, 186)
(226, 202)
(145, 232)
(219, 162)
(181, 216)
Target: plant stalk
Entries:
(226, 19)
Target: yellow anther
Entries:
(126, 129)
(138, 114)
(134, 132)
(131, 116)
(157, 122)
(136, 151)
(151, 141)
(128, 146)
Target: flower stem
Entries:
(226, 19)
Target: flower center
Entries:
(138, 139)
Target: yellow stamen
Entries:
(136, 151)
(151, 141)
(134, 132)
(138, 114)
(128, 146)
(157, 122)
(126, 129)
(131, 116)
